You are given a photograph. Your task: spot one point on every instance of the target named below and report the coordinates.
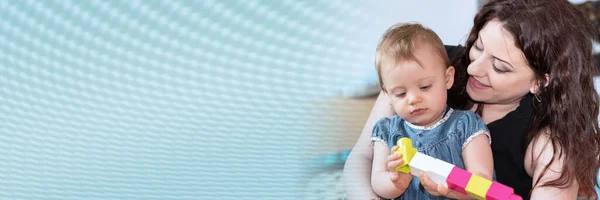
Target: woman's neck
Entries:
(493, 112)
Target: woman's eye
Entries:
(477, 47)
(498, 70)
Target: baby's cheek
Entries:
(440, 98)
(401, 109)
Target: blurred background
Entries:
(192, 99)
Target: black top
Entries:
(508, 143)
(508, 147)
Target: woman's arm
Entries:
(357, 170)
(538, 156)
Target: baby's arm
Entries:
(477, 156)
(477, 152)
(385, 180)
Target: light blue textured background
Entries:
(172, 99)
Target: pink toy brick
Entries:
(515, 197)
(499, 191)
(458, 180)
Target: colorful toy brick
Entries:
(515, 197)
(440, 171)
(419, 164)
(407, 150)
(437, 170)
(458, 180)
(454, 178)
(498, 191)
(478, 186)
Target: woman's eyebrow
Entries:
(504, 61)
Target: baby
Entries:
(414, 72)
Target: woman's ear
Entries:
(538, 84)
(449, 77)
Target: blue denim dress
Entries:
(444, 140)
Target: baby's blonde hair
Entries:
(398, 42)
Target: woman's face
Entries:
(499, 73)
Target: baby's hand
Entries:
(401, 180)
(431, 187)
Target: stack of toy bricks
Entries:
(451, 176)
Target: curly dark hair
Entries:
(556, 39)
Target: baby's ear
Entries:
(449, 77)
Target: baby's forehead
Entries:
(426, 65)
(410, 72)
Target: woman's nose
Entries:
(477, 67)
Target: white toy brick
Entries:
(436, 169)
(440, 172)
(420, 163)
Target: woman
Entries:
(527, 70)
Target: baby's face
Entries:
(418, 92)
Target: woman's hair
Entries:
(556, 39)
(399, 42)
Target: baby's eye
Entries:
(401, 94)
(425, 87)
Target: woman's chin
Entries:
(475, 95)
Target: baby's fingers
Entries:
(393, 157)
(429, 185)
(394, 176)
(391, 165)
(442, 190)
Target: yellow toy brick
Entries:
(478, 187)
(407, 150)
